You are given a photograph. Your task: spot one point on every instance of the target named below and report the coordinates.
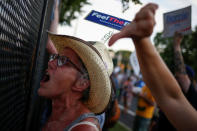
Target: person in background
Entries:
(115, 81)
(121, 78)
(127, 94)
(163, 85)
(145, 110)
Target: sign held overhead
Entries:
(106, 20)
(179, 20)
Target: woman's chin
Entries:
(41, 91)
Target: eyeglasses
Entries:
(63, 60)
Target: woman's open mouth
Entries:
(46, 77)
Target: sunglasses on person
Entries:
(63, 60)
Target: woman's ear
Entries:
(81, 85)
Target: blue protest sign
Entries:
(106, 20)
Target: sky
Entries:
(90, 31)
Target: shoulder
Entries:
(84, 126)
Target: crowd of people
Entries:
(130, 86)
(84, 91)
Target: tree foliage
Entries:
(124, 56)
(69, 9)
(188, 45)
(125, 4)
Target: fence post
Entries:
(40, 60)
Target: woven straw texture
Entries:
(98, 69)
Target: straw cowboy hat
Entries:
(96, 59)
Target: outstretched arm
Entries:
(180, 71)
(157, 76)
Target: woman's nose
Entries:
(52, 64)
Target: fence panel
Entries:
(21, 31)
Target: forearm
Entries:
(163, 86)
(180, 71)
(155, 73)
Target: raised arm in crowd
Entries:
(156, 75)
(180, 71)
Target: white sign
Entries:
(179, 20)
(134, 63)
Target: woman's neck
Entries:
(67, 109)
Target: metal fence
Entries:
(22, 49)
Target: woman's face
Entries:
(59, 79)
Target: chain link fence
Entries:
(23, 37)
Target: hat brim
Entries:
(100, 85)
